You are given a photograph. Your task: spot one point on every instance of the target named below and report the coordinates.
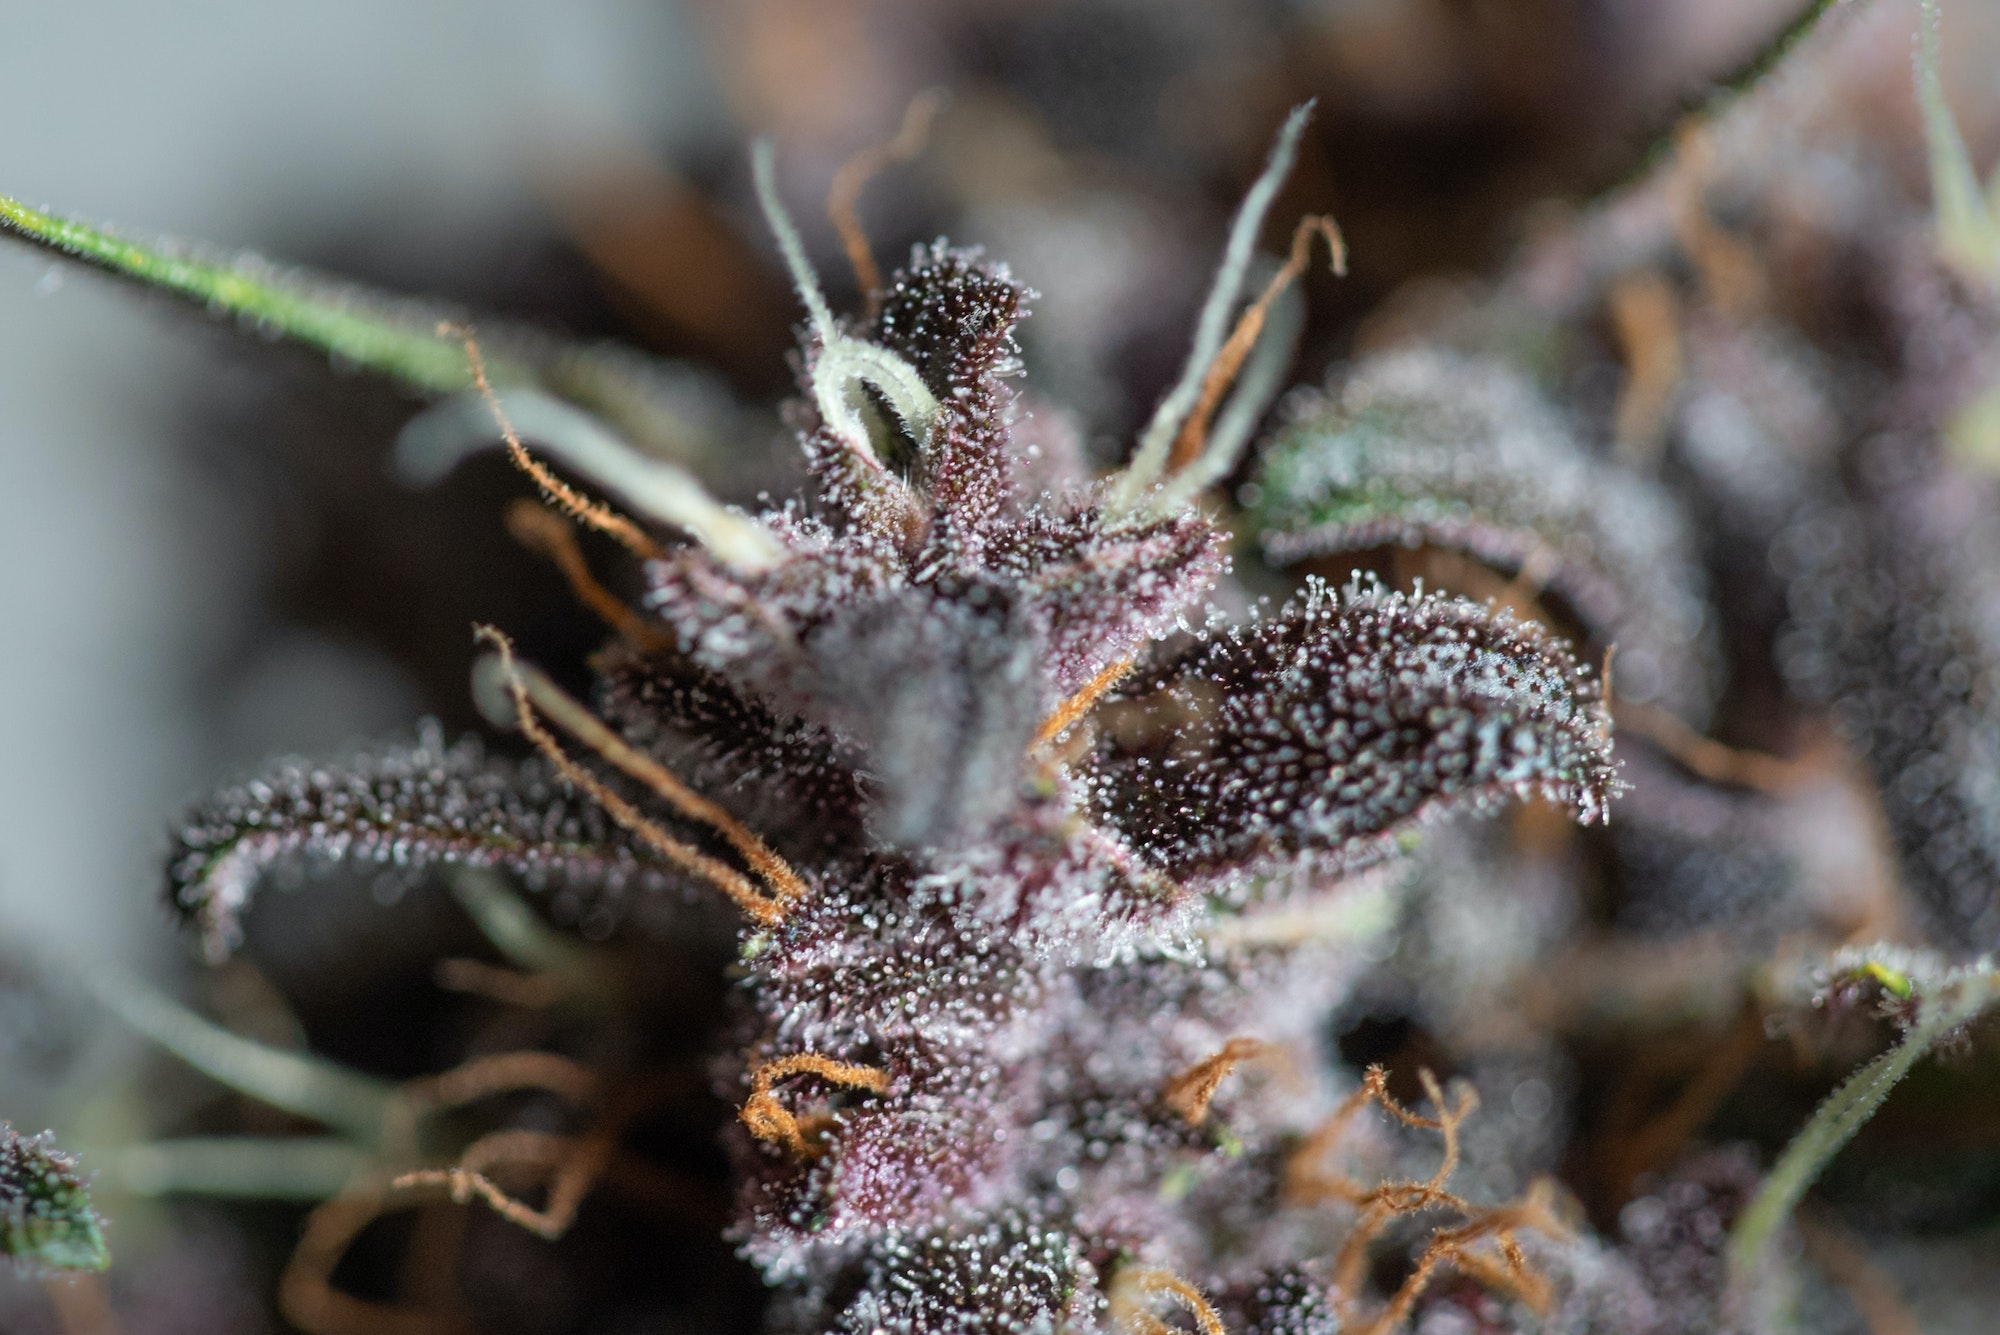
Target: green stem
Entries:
(347, 1101)
(519, 933)
(292, 1168)
(418, 344)
(1715, 99)
(1753, 70)
(1967, 232)
(398, 339)
(1956, 1002)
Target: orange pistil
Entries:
(1190, 1092)
(1306, 1182)
(1222, 372)
(559, 493)
(770, 1120)
(862, 168)
(1068, 713)
(764, 909)
(542, 530)
(1133, 1288)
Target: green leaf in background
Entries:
(1463, 454)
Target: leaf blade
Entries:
(1329, 731)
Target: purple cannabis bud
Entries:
(1892, 616)
(978, 1022)
(1112, 938)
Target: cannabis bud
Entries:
(983, 795)
(1047, 852)
(45, 1212)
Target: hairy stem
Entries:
(1954, 1002)
(390, 337)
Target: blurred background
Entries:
(205, 556)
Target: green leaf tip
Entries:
(398, 339)
(1968, 219)
(1894, 981)
(1944, 999)
(45, 1214)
